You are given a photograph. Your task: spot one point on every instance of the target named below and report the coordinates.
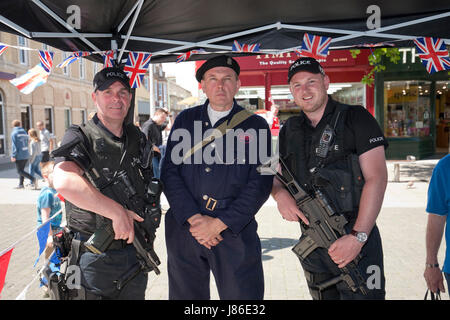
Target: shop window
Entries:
(407, 109)
(25, 117)
(67, 118)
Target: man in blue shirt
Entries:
(214, 192)
(20, 154)
(438, 219)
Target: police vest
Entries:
(108, 156)
(320, 160)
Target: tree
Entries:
(376, 60)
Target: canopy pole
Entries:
(66, 25)
(136, 14)
(14, 26)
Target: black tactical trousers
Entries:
(319, 267)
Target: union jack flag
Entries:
(108, 59)
(3, 48)
(433, 53)
(315, 47)
(187, 55)
(46, 58)
(72, 58)
(238, 47)
(136, 67)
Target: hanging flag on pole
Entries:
(238, 47)
(3, 48)
(315, 47)
(108, 59)
(136, 67)
(433, 54)
(4, 262)
(46, 58)
(187, 55)
(34, 78)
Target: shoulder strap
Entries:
(221, 130)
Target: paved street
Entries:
(401, 222)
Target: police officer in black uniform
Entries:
(210, 226)
(109, 145)
(325, 147)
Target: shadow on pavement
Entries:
(271, 244)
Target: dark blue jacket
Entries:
(237, 184)
(19, 142)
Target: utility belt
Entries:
(211, 204)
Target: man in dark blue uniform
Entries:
(214, 191)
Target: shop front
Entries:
(413, 108)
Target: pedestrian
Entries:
(438, 209)
(20, 155)
(35, 156)
(153, 128)
(214, 192)
(326, 147)
(46, 141)
(106, 146)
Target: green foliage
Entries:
(376, 61)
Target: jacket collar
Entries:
(205, 118)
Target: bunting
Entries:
(187, 55)
(73, 57)
(34, 78)
(2, 48)
(4, 262)
(108, 59)
(136, 67)
(238, 47)
(433, 54)
(315, 47)
(46, 58)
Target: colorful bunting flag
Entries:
(42, 235)
(238, 47)
(136, 67)
(34, 78)
(46, 58)
(315, 47)
(72, 58)
(4, 262)
(433, 53)
(108, 59)
(187, 55)
(3, 48)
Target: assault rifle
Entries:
(325, 225)
(120, 188)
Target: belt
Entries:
(212, 204)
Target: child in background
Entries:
(48, 203)
(35, 156)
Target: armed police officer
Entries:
(214, 191)
(327, 147)
(90, 162)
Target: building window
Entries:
(25, 117)
(48, 121)
(2, 126)
(23, 54)
(67, 118)
(66, 69)
(407, 109)
(83, 116)
(81, 64)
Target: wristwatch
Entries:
(360, 236)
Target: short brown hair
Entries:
(161, 110)
(47, 167)
(16, 123)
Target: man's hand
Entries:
(434, 279)
(287, 207)
(123, 225)
(344, 250)
(206, 230)
(13, 159)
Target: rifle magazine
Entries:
(304, 247)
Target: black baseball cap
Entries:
(305, 64)
(107, 76)
(220, 61)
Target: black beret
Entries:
(107, 76)
(305, 64)
(220, 61)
